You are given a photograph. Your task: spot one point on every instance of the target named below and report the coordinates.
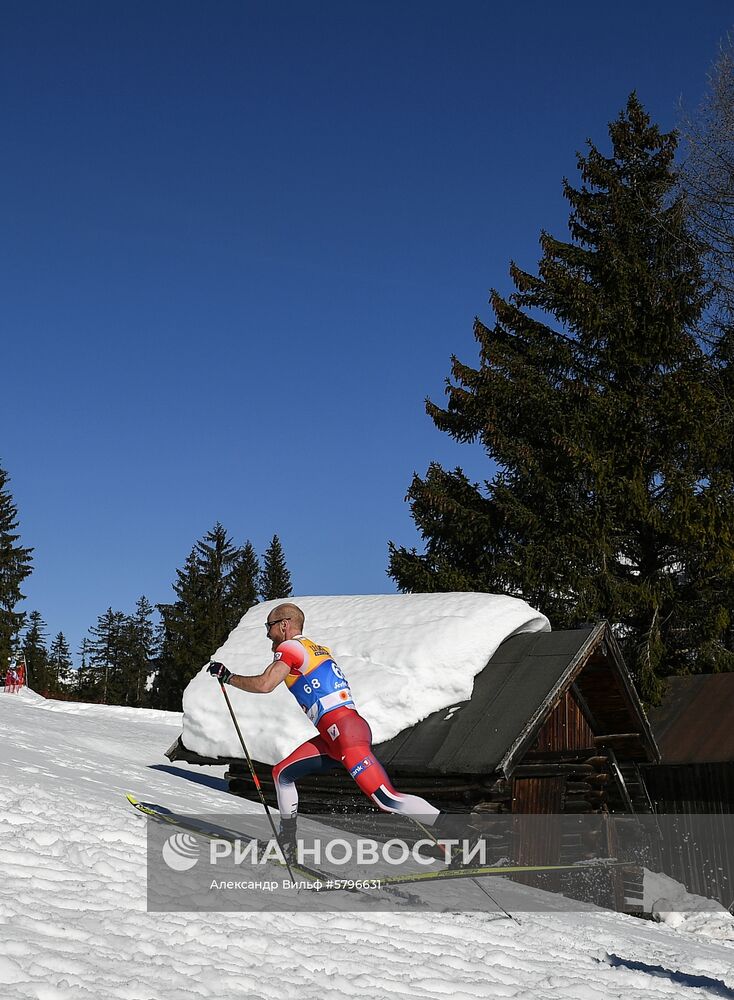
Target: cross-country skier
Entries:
(321, 689)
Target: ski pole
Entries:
(429, 833)
(255, 778)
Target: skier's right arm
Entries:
(262, 683)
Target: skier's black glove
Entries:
(219, 671)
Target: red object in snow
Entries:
(15, 678)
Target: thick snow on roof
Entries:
(404, 655)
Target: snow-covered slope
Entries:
(74, 925)
(405, 655)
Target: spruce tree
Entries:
(275, 580)
(184, 645)
(242, 585)
(141, 649)
(593, 397)
(200, 618)
(216, 557)
(59, 665)
(218, 584)
(86, 687)
(35, 653)
(107, 656)
(15, 566)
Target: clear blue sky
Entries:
(240, 242)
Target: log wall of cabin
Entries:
(565, 729)
(696, 801)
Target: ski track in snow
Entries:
(74, 924)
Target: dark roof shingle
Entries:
(509, 695)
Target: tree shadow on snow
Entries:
(715, 987)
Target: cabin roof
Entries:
(694, 723)
(513, 696)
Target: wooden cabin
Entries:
(554, 725)
(694, 728)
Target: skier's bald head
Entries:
(289, 611)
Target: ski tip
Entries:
(131, 799)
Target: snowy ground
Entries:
(74, 924)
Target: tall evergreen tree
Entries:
(183, 640)
(15, 566)
(141, 650)
(214, 589)
(35, 653)
(107, 656)
(216, 557)
(87, 687)
(594, 399)
(242, 589)
(275, 580)
(59, 665)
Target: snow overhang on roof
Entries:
(405, 657)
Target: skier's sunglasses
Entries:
(269, 625)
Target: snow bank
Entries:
(405, 655)
(120, 711)
(27, 695)
(30, 697)
(669, 902)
